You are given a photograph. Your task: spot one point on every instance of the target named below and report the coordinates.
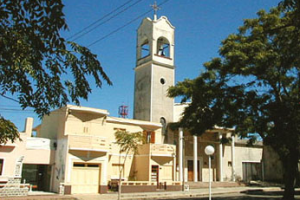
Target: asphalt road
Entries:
(241, 196)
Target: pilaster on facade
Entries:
(220, 158)
(195, 167)
(180, 161)
(233, 158)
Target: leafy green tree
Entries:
(128, 142)
(253, 86)
(8, 131)
(37, 65)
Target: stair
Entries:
(197, 185)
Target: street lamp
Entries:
(209, 150)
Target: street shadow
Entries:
(266, 193)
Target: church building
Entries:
(75, 150)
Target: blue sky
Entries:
(200, 25)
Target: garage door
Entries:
(85, 178)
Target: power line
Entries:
(8, 110)
(9, 98)
(128, 23)
(84, 31)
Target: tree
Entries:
(37, 65)
(128, 142)
(253, 86)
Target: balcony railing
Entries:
(88, 143)
(163, 149)
(158, 149)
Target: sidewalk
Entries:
(141, 196)
(175, 194)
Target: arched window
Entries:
(164, 126)
(163, 47)
(145, 49)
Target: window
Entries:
(85, 129)
(95, 165)
(1, 166)
(162, 81)
(163, 47)
(149, 136)
(79, 165)
(164, 126)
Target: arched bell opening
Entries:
(163, 47)
(145, 49)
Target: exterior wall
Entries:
(11, 153)
(60, 164)
(39, 151)
(178, 111)
(142, 167)
(227, 163)
(35, 151)
(245, 154)
(159, 93)
(272, 166)
(142, 93)
(53, 124)
(165, 167)
(88, 137)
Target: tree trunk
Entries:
(290, 166)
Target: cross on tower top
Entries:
(155, 8)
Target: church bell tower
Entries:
(154, 71)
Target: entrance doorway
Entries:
(155, 174)
(190, 166)
(37, 175)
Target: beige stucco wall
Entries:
(142, 167)
(82, 124)
(53, 125)
(178, 111)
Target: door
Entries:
(251, 171)
(191, 170)
(85, 178)
(155, 174)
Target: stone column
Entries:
(180, 161)
(174, 168)
(220, 158)
(195, 159)
(233, 158)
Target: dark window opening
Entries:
(162, 81)
(1, 166)
(78, 165)
(93, 165)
